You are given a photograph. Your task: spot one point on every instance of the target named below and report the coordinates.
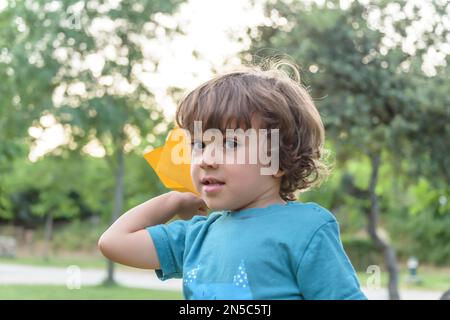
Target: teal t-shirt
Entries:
(282, 251)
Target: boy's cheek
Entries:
(195, 178)
(194, 173)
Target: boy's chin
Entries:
(216, 206)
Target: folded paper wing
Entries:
(171, 162)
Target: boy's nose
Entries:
(208, 160)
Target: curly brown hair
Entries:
(280, 102)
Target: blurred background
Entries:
(87, 87)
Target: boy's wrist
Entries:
(172, 204)
(176, 200)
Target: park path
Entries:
(25, 274)
(130, 277)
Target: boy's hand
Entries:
(188, 204)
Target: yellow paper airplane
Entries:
(171, 162)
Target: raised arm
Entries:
(127, 241)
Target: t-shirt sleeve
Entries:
(170, 244)
(169, 241)
(325, 272)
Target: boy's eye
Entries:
(228, 144)
(231, 144)
(197, 145)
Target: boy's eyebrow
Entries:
(224, 138)
(238, 134)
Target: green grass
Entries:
(49, 292)
(432, 279)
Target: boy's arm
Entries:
(127, 241)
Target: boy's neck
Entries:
(263, 201)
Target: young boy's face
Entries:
(233, 185)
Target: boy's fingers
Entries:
(203, 210)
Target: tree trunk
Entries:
(48, 236)
(388, 252)
(445, 295)
(118, 204)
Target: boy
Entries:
(258, 243)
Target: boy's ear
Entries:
(279, 174)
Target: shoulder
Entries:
(198, 221)
(303, 220)
(310, 213)
(194, 224)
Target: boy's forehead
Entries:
(232, 125)
(236, 124)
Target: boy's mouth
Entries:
(211, 184)
(208, 180)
